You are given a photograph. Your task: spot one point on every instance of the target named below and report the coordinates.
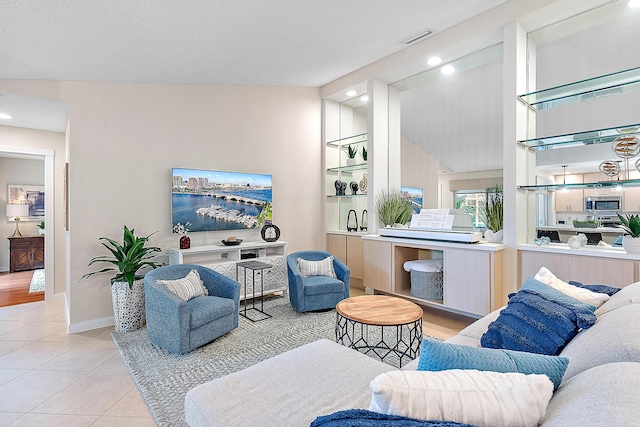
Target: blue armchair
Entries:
(180, 326)
(316, 292)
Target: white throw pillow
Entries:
(582, 294)
(480, 398)
(317, 268)
(190, 286)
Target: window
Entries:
(471, 202)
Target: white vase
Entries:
(631, 244)
(350, 161)
(128, 305)
(493, 237)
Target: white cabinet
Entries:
(223, 259)
(472, 274)
(569, 200)
(631, 199)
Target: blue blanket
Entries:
(364, 418)
(532, 323)
(602, 289)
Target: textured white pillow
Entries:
(190, 286)
(480, 398)
(585, 295)
(317, 268)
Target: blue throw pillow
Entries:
(440, 356)
(365, 418)
(603, 289)
(552, 294)
(535, 322)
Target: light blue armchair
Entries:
(316, 292)
(180, 326)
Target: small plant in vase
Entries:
(364, 154)
(492, 214)
(41, 228)
(182, 230)
(630, 224)
(351, 154)
(393, 209)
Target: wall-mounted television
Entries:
(215, 200)
(414, 195)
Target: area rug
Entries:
(164, 379)
(37, 282)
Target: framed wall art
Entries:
(32, 195)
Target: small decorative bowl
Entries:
(231, 242)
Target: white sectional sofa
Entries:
(599, 388)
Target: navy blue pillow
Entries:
(365, 418)
(535, 322)
(602, 289)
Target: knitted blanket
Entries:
(364, 418)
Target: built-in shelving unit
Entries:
(584, 90)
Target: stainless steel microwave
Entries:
(603, 203)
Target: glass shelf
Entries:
(349, 140)
(349, 168)
(329, 196)
(599, 184)
(584, 90)
(597, 136)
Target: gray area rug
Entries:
(164, 379)
(37, 282)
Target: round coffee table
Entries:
(379, 324)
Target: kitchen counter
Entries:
(570, 228)
(589, 250)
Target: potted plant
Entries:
(127, 286)
(492, 214)
(364, 153)
(630, 224)
(393, 209)
(41, 228)
(351, 154)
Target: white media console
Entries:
(223, 259)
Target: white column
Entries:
(516, 169)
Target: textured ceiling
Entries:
(242, 42)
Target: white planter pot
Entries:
(351, 161)
(493, 237)
(128, 305)
(631, 244)
(40, 231)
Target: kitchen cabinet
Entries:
(26, 253)
(570, 200)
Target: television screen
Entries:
(414, 195)
(216, 200)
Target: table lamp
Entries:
(16, 211)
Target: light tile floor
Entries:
(51, 378)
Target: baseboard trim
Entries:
(89, 325)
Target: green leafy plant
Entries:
(630, 224)
(393, 208)
(491, 212)
(364, 154)
(352, 151)
(41, 225)
(128, 258)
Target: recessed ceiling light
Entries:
(448, 69)
(365, 98)
(352, 93)
(5, 116)
(434, 60)
(633, 3)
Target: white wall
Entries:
(125, 138)
(32, 172)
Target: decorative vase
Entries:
(364, 182)
(352, 222)
(364, 223)
(351, 161)
(128, 305)
(354, 187)
(631, 244)
(185, 242)
(493, 236)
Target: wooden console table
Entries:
(26, 253)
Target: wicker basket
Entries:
(426, 285)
